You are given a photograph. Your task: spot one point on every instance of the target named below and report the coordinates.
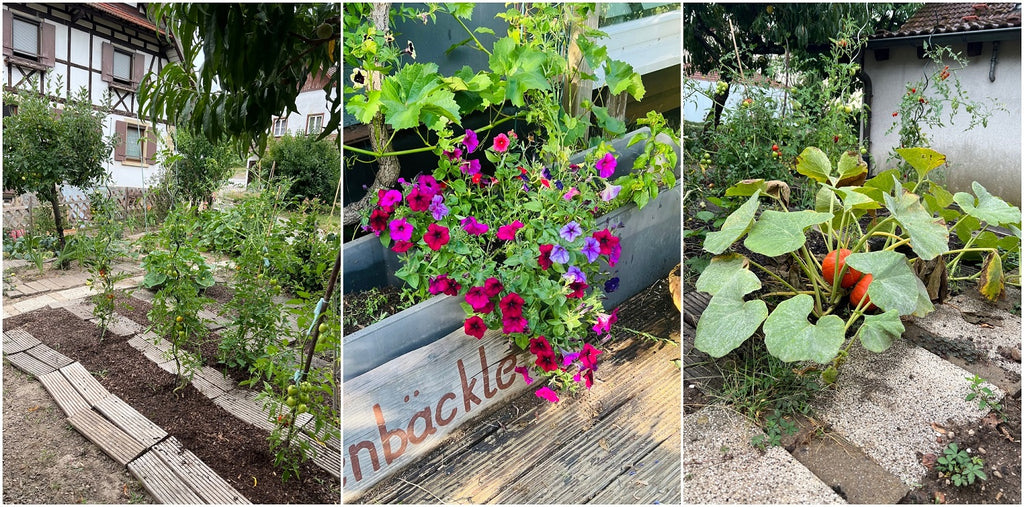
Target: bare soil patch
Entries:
(238, 452)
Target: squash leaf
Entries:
(790, 337)
(729, 320)
(928, 235)
(879, 331)
(894, 286)
(991, 282)
(814, 164)
(987, 207)
(735, 226)
(778, 232)
(923, 160)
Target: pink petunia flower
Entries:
(475, 327)
(501, 143)
(547, 394)
(508, 232)
(470, 225)
(606, 165)
(522, 370)
(401, 230)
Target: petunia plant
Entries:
(879, 233)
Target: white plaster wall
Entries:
(60, 40)
(311, 102)
(990, 155)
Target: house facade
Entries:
(107, 48)
(312, 112)
(988, 35)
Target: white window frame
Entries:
(280, 127)
(319, 124)
(138, 145)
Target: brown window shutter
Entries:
(150, 145)
(8, 36)
(108, 63)
(121, 130)
(46, 44)
(138, 68)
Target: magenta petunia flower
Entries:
(501, 143)
(513, 324)
(475, 327)
(401, 230)
(547, 394)
(493, 287)
(378, 221)
(470, 141)
(570, 231)
(388, 199)
(436, 236)
(444, 284)
(470, 225)
(547, 361)
(477, 298)
(606, 165)
(427, 184)
(544, 260)
(540, 345)
(454, 154)
(606, 241)
(571, 193)
(588, 356)
(471, 167)
(511, 305)
(508, 232)
(522, 370)
(605, 321)
(401, 246)
(418, 200)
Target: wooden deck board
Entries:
(576, 451)
(49, 356)
(29, 364)
(197, 475)
(161, 481)
(67, 397)
(84, 383)
(245, 409)
(18, 340)
(116, 443)
(130, 420)
(324, 457)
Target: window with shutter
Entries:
(25, 38)
(122, 69)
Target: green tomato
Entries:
(323, 327)
(306, 386)
(290, 401)
(863, 151)
(848, 109)
(293, 390)
(304, 398)
(302, 408)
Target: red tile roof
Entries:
(941, 18)
(127, 13)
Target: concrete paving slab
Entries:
(886, 404)
(721, 467)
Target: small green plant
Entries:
(775, 426)
(959, 466)
(99, 254)
(986, 398)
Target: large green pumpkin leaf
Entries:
(894, 286)
(884, 181)
(734, 227)
(814, 164)
(746, 188)
(850, 166)
(790, 337)
(778, 232)
(879, 331)
(928, 235)
(721, 271)
(728, 320)
(923, 160)
(987, 207)
(855, 198)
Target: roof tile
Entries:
(938, 18)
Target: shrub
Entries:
(313, 166)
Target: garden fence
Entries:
(25, 210)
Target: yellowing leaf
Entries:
(991, 282)
(923, 160)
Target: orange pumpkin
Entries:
(829, 268)
(860, 291)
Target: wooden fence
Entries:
(23, 210)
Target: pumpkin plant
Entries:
(876, 231)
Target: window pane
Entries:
(315, 124)
(132, 147)
(25, 37)
(122, 66)
(279, 127)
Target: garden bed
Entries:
(238, 453)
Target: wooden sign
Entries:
(406, 407)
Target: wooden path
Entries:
(171, 474)
(619, 443)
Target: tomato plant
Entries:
(917, 214)
(100, 252)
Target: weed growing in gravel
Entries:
(959, 466)
(986, 398)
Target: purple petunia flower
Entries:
(574, 273)
(591, 248)
(471, 167)
(559, 254)
(610, 192)
(570, 231)
(470, 141)
(437, 208)
(611, 285)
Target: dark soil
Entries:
(360, 309)
(998, 443)
(220, 293)
(237, 451)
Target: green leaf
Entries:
(620, 77)
(923, 160)
(894, 284)
(942, 196)
(990, 284)
(790, 337)
(777, 232)
(522, 67)
(721, 271)
(879, 331)
(855, 198)
(884, 181)
(928, 235)
(416, 95)
(608, 122)
(987, 207)
(364, 107)
(534, 206)
(850, 166)
(747, 187)
(735, 226)
(814, 164)
(728, 320)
